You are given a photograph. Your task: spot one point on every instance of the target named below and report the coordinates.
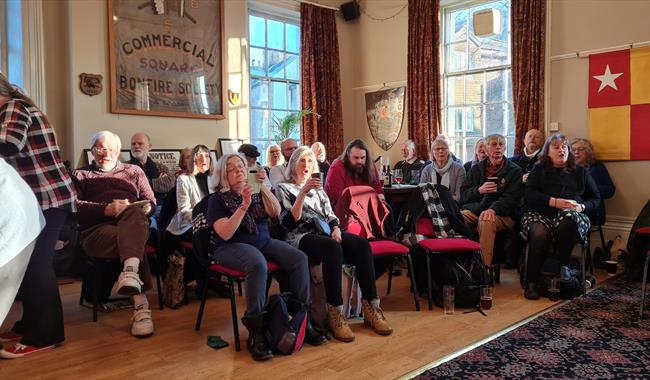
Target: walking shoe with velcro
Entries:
(19, 350)
(129, 283)
(142, 323)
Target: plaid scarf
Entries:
(255, 210)
(441, 227)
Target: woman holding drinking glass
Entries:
(558, 193)
(307, 215)
(443, 170)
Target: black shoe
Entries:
(531, 292)
(256, 343)
(313, 337)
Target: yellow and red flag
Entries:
(619, 104)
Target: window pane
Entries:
(474, 125)
(259, 93)
(276, 64)
(470, 145)
(509, 85)
(294, 97)
(261, 147)
(279, 95)
(258, 62)
(494, 86)
(474, 89)
(455, 121)
(510, 146)
(256, 31)
(275, 34)
(277, 116)
(456, 57)
(510, 115)
(494, 119)
(260, 123)
(455, 90)
(293, 66)
(293, 38)
(457, 26)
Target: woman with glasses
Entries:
(443, 170)
(273, 157)
(238, 214)
(558, 193)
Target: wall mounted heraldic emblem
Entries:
(385, 115)
(90, 84)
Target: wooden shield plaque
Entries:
(385, 114)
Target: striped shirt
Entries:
(28, 144)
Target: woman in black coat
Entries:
(559, 194)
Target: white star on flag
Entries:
(607, 79)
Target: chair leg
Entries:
(158, 286)
(602, 236)
(414, 286)
(390, 275)
(239, 287)
(644, 283)
(583, 268)
(525, 268)
(204, 296)
(233, 311)
(429, 282)
(95, 290)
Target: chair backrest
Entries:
(201, 233)
(168, 210)
(424, 226)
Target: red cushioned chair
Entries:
(383, 248)
(424, 226)
(645, 232)
(218, 271)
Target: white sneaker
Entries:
(129, 283)
(142, 323)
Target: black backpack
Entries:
(465, 272)
(284, 334)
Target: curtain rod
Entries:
(381, 85)
(587, 53)
(316, 4)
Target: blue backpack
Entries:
(284, 334)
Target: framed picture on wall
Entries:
(166, 57)
(229, 145)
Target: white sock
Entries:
(140, 301)
(132, 262)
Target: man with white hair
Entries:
(410, 162)
(114, 203)
(159, 176)
(533, 142)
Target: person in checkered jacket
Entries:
(28, 143)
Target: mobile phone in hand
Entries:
(252, 180)
(318, 176)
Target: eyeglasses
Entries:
(103, 150)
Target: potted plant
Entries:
(285, 127)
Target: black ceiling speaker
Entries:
(350, 11)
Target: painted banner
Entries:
(166, 57)
(385, 115)
(619, 104)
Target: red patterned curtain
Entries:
(528, 20)
(423, 82)
(321, 78)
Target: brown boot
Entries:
(373, 316)
(338, 324)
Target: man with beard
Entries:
(354, 167)
(160, 179)
(278, 173)
(490, 195)
(533, 142)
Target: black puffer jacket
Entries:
(504, 202)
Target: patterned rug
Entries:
(598, 336)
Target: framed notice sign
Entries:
(166, 57)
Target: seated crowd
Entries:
(552, 192)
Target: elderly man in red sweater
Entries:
(355, 167)
(114, 202)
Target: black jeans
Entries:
(353, 250)
(539, 240)
(42, 321)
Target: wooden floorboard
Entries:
(106, 350)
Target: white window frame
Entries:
(33, 49)
(464, 153)
(287, 16)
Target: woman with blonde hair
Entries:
(273, 157)
(314, 229)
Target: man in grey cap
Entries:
(251, 153)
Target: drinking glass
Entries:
(397, 173)
(554, 290)
(415, 177)
(448, 299)
(486, 297)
